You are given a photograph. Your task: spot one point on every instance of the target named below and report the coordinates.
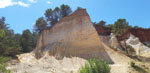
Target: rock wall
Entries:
(73, 36)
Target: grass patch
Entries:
(3, 59)
(95, 66)
(137, 68)
(3, 68)
(3, 65)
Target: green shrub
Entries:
(137, 68)
(3, 68)
(132, 64)
(95, 66)
(148, 45)
(3, 59)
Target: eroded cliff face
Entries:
(140, 48)
(136, 38)
(111, 41)
(64, 48)
(142, 34)
(73, 36)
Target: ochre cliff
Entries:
(73, 36)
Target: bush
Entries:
(3, 68)
(132, 64)
(137, 68)
(95, 66)
(3, 59)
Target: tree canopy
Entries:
(51, 17)
(120, 26)
(27, 41)
(8, 43)
(12, 44)
(2, 33)
(40, 24)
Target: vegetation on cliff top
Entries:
(52, 17)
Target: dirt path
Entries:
(122, 62)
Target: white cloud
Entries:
(6, 3)
(33, 1)
(22, 4)
(49, 2)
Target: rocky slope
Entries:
(46, 64)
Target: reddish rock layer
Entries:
(101, 31)
(142, 34)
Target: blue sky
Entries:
(22, 14)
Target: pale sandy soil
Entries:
(67, 65)
(48, 64)
(122, 62)
(51, 65)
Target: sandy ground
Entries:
(49, 64)
(67, 65)
(122, 62)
